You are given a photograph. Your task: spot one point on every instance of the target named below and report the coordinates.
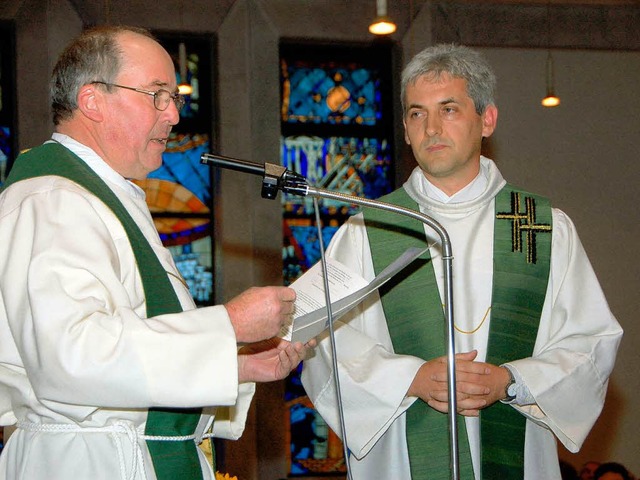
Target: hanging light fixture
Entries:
(382, 25)
(184, 88)
(550, 100)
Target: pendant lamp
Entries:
(382, 25)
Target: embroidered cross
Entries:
(524, 222)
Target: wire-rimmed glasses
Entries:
(161, 97)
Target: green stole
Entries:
(171, 459)
(417, 326)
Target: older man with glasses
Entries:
(106, 366)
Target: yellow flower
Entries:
(220, 476)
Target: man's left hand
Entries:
(270, 360)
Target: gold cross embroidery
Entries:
(523, 222)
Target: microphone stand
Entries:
(277, 177)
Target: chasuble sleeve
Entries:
(230, 421)
(576, 345)
(82, 331)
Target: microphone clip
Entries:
(277, 177)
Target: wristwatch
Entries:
(510, 390)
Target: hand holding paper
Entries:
(346, 288)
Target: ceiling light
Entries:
(184, 88)
(382, 25)
(551, 100)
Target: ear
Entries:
(489, 120)
(406, 135)
(90, 102)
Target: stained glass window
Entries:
(179, 193)
(336, 125)
(351, 165)
(329, 92)
(179, 197)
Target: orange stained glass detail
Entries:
(170, 197)
(165, 196)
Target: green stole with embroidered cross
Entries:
(417, 326)
(171, 459)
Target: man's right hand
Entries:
(260, 312)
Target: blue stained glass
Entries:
(181, 164)
(192, 100)
(351, 165)
(356, 166)
(179, 193)
(335, 124)
(331, 94)
(189, 239)
(306, 237)
(193, 260)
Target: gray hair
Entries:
(459, 62)
(95, 55)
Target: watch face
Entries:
(511, 390)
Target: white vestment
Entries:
(80, 363)
(574, 352)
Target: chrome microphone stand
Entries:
(277, 177)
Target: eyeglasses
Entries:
(161, 98)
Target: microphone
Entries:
(275, 177)
(232, 164)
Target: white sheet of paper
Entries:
(346, 289)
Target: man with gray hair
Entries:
(532, 327)
(107, 368)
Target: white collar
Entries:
(469, 192)
(479, 191)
